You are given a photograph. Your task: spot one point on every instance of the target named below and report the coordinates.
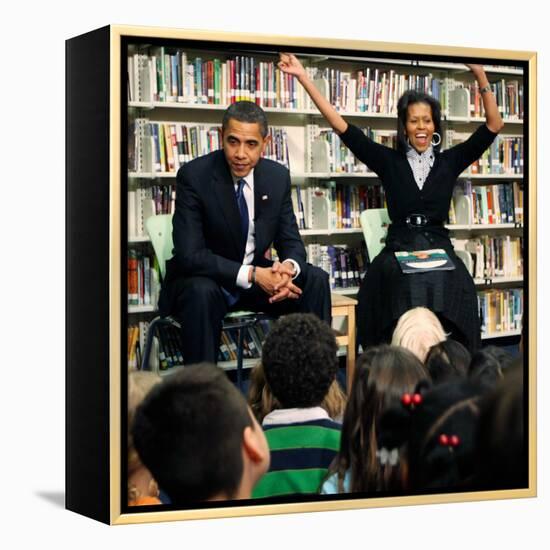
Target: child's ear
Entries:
(254, 444)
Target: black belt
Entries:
(418, 221)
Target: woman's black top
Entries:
(386, 292)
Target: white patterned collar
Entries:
(421, 164)
(294, 416)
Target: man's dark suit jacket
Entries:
(206, 225)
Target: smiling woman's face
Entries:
(420, 126)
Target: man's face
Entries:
(243, 146)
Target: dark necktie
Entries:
(243, 208)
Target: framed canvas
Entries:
(131, 91)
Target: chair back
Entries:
(159, 229)
(374, 222)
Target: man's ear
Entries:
(253, 446)
(266, 142)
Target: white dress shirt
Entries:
(248, 192)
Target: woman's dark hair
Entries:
(409, 98)
(383, 374)
(448, 360)
(488, 366)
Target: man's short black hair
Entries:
(409, 98)
(299, 359)
(189, 434)
(246, 111)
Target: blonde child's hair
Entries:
(418, 330)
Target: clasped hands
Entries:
(276, 281)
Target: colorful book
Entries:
(419, 261)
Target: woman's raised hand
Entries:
(476, 69)
(289, 63)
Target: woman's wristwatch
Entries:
(485, 89)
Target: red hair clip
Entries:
(411, 400)
(450, 441)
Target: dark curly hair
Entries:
(299, 359)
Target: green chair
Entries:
(159, 229)
(374, 222)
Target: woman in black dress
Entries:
(418, 182)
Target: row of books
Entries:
(509, 96)
(334, 205)
(172, 76)
(167, 350)
(147, 201)
(504, 156)
(372, 90)
(494, 257)
(345, 265)
(254, 337)
(326, 143)
(490, 204)
(136, 344)
(500, 310)
(165, 146)
(143, 279)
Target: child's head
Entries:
(198, 437)
(439, 435)
(418, 330)
(501, 460)
(383, 374)
(488, 366)
(140, 482)
(299, 360)
(448, 360)
(262, 401)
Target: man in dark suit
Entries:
(231, 205)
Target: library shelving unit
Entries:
(176, 96)
(127, 86)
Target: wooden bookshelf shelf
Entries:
(498, 281)
(506, 334)
(315, 232)
(141, 309)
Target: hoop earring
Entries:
(439, 140)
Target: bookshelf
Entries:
(317, 162)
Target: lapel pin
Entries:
(264, 197)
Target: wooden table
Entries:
(344, 306)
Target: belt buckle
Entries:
(416, 220)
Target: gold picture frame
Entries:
(95, 218)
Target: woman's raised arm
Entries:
(291, 65)
(492, 114)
